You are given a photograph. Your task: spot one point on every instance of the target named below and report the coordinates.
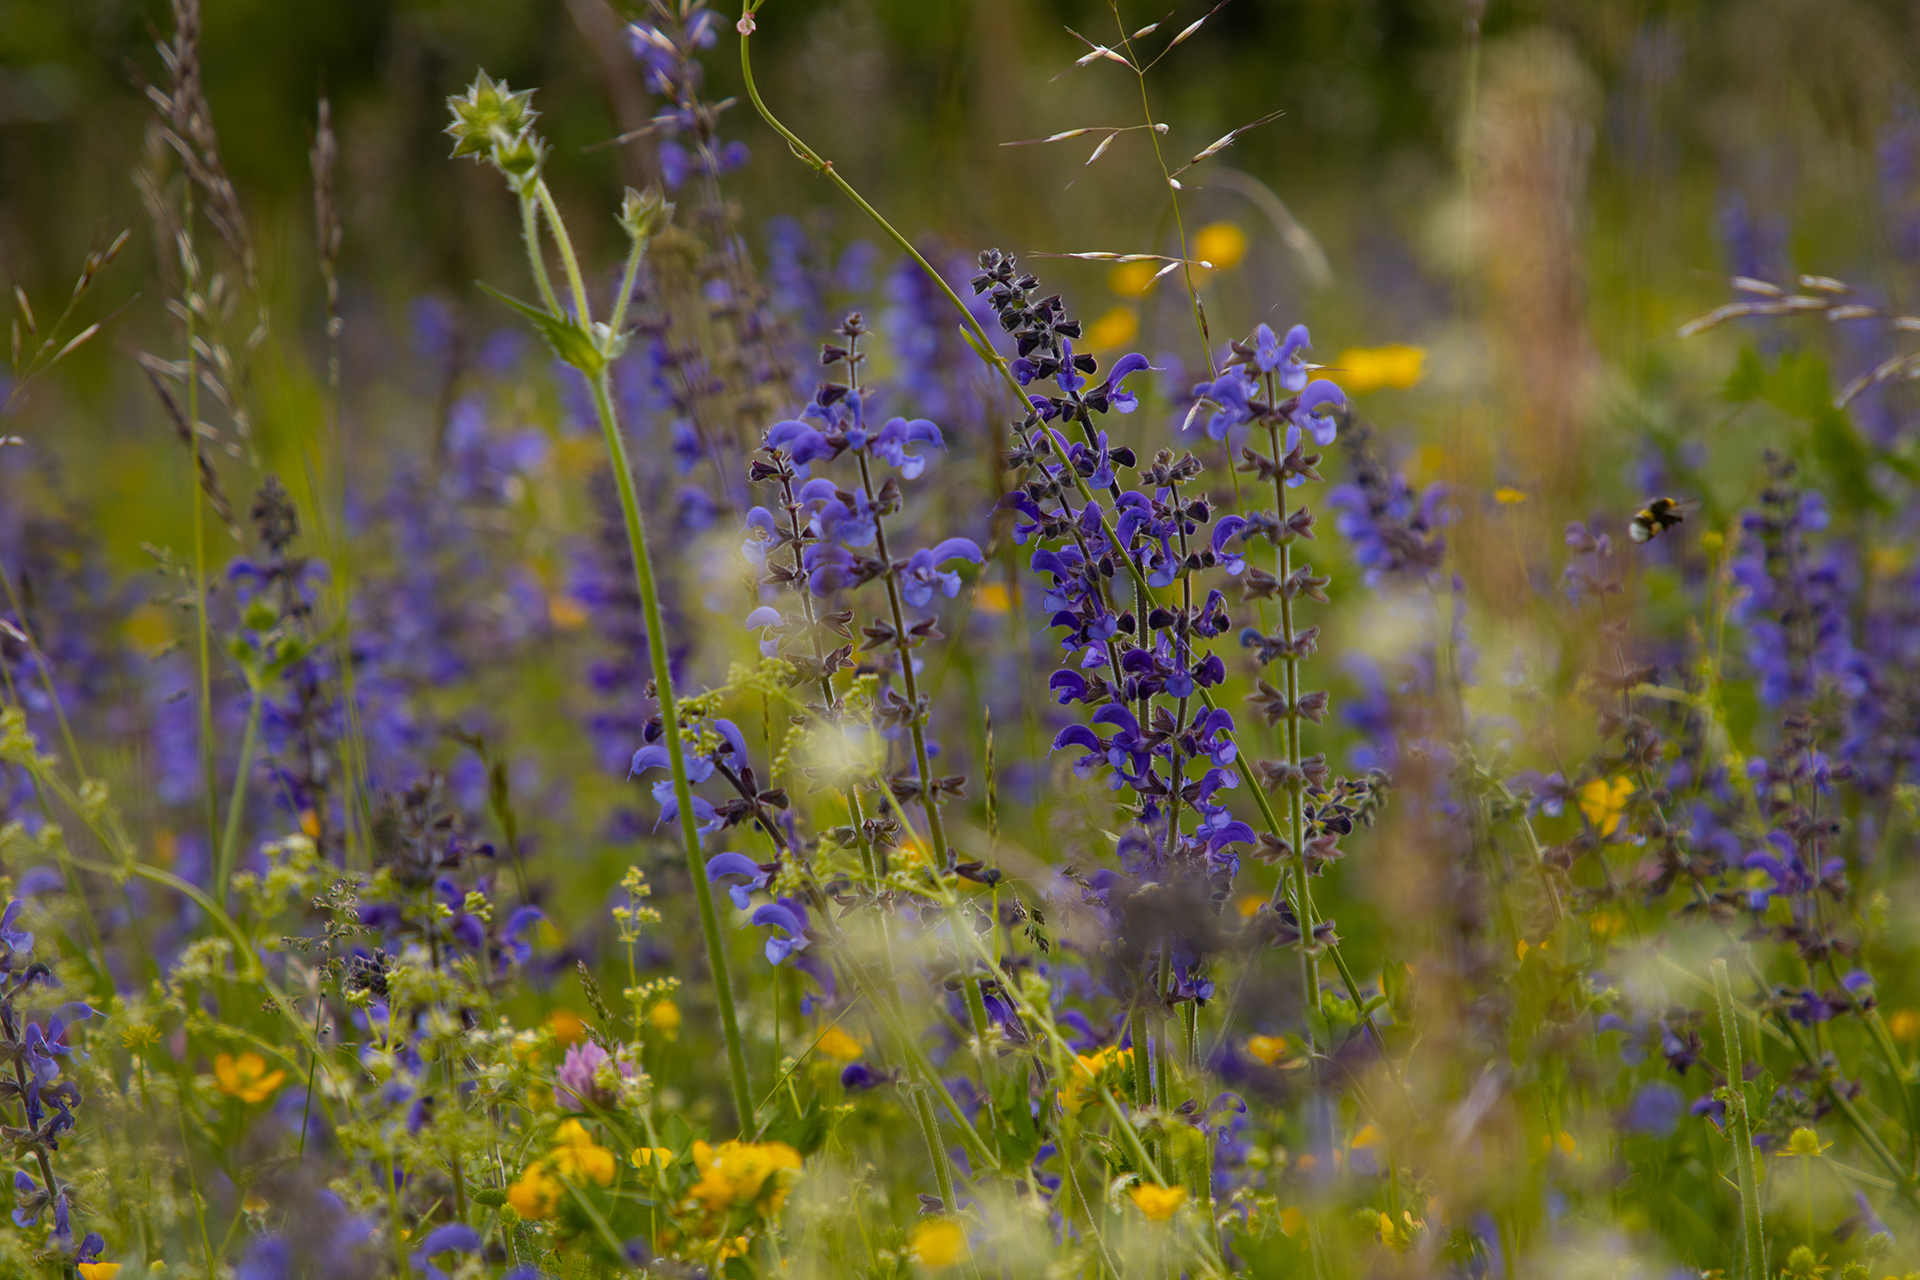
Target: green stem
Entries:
(1752, 1236)
(530, 232)
(237, 804)
(670, 736)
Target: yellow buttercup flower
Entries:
(1133, 279)
(1220, 244)
(937, 1242)
(1078, 1088)
(536, 1194)
(1605, 803)
(567, 1026)
(1272, 1050)
(1158, 1203)
(246, 1077)
(1904, 1025)
(576, 1155)
(1114, 328)
(99, 1270)
(835, 1043)
(992, 597)
(1367, 1137)
(644, 1156)
(1363, 369)
(736, 1173)
(1292, 1221)
(1507, 497)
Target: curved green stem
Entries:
(670, 736)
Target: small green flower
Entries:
(644, 213)
(1804, 1142)
(1801, 1261)
(488, 116)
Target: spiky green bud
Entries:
(487, 115)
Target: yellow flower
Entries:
(665, 1018)
(1292, 1221)
(1113, 329)
(1158, 1203)
(99, 1270)
(1363, 369)
(644, 1156)
(1508, 497)
(1562, 1140)
(246, 1077)
(576, 1155)
(1367, 1137)
(937, 1242)
(1078, 1089)
(1604, 803)
(566, 613)
(1132, 279)
(1249, 905)
(536, 1194)
(1395, 1235)
(1271, 1050)
(1804, 1142)
(567, 1026)
(835, 1043)
(1220, 243)
(1904, 1024)
(991, 597)
(735, 1173)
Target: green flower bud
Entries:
(488, 114)
(520, 157)
(644, 213)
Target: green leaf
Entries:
(1748, 379)
(568, 339)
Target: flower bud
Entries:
(644, 213)
(487, 115)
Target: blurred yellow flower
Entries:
(576, 1155)
(735, 1173)
(937, 1242)
(536, 1194)
(1222, 244)
(1904, 1024)
(1116, 328)
(1271, 1050)
(1395, 1235)
(566, 613)
(1367, 1137)
(246, 1077)
(835, 1043)
(665, 1018)
(1563, 1141)
(1158, 1203)
(99, 1270)
(1292, 1221)
(1363, 369)
(991, 597)
(567, 1026)
(1508, 497)
(1605, 803)
(1132, 279)
(1249, 905)
(644, 1156)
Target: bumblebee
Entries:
(1655, 519)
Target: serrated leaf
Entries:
(569, 341)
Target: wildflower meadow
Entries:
(960, 638)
